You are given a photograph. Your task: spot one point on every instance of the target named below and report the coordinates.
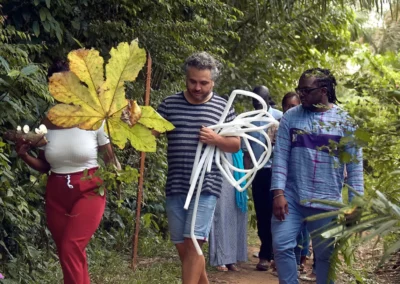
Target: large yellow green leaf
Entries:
(151, 119)
(125, 63)
(66, 87)
(139, 136)
(75, 116)
(88, 66)
(87, 100)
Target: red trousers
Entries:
(74, 212)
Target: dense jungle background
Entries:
(259, 42)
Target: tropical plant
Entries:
(260, 42)
(364, 219)
(88, 100)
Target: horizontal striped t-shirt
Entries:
(182, 141)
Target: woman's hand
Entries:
(108, 156)
(22, 147)
(280, 206)
(39, 164)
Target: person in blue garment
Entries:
(228, 236)
(261, 184)
(305, 169)
(290, 100)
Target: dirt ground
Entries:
(367, 257)
(365, 263)
(247, 275)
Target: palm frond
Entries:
(378, 217)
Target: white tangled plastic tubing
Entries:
(240, 126)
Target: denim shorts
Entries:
(179, 219)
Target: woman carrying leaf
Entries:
(74, 205)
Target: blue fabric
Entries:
(303, 242)
(284, 234)
(277, 114)
(228, 236)
(241, 197)
(301, 165)
(180, 220)
(258, 149)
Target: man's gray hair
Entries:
(202, 61)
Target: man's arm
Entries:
(280, 169)
(229, 144)
(355, 174)
(281, 157)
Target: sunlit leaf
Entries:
(323, 215)
(362, 135)
(344, 157)
(332, 232)
(88, 67)
(350, 210)
(152, 119)
(125, 63)
(75, 116)
(378, 232)
(87, 100)
(14, 73)
(140, 136)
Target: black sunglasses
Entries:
(306, 91)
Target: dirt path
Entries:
(367, 256)
(247, 275)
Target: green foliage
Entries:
(371, 102)
(275, 52)
(259, 42)
(377, 216)
(111, 267)
(23, 99)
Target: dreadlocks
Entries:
(323, 78)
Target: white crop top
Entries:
(73, 150)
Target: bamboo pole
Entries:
(141, 171)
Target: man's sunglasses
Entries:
(306, 91)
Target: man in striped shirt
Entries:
(306, 166)
(191, 112)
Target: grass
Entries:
(115, 268)
(157, 263)
(252, 237)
